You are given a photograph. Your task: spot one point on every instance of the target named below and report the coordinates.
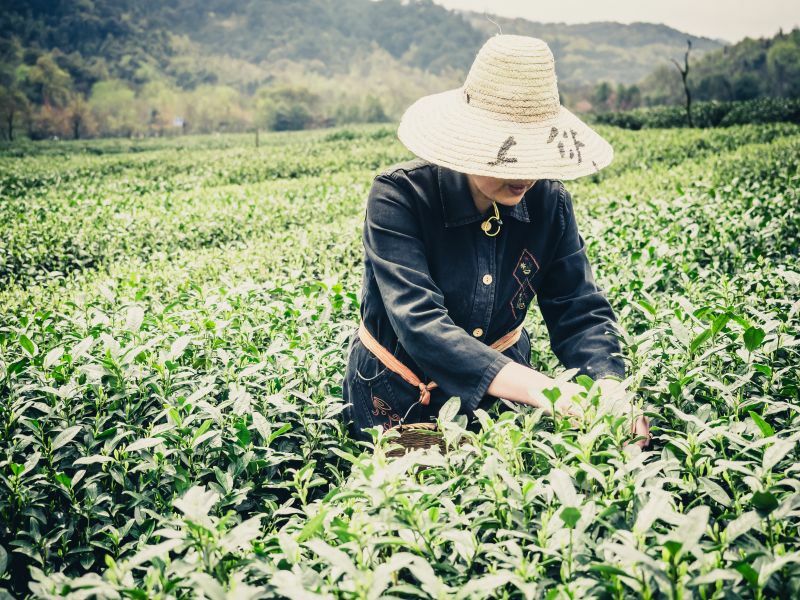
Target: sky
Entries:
(730, 20)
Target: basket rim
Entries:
(420, 426)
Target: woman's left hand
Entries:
(641, 427)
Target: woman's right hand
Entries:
(519, 383)
(571, 407)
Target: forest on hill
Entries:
(154, 67)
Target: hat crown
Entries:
(514, 78)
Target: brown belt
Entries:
(395, 365)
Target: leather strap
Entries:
(390, 362)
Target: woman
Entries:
(459, 241)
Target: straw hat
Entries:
(506, 120)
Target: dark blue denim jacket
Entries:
(437, 291)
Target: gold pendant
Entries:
(491, 226)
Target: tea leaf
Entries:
(776, 452)
(657, 507)
(53, 356)
(764, 502)
(333, 556)
(143, 444)
(196, 503)
(769, 568)
(715, 575)
(179, 346)
(30, 348)
(570, 515)
(148, 553)
(242, 535)
(715, 491)
(700, 340)
(134, 318)
(562, 486)
(63, 438)
(753, 338)
(81, 348)
(450, 409)
(312, 526)
(93, 460)
(766, 429)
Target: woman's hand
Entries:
(519, 383)
(641, 427)
(609, 389)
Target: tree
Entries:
(163, 105)
(714, 87)
(47, 83)
(13, 104)
(285, 108)
(746, 86)
(48, 121)
(373, 110)
(627, 97)
(601, 95)
(10, 59)
(80, 117)
(783, 66)
(291, 117)
(684, 74)
(217, 108)
(346, 112)
(113, 104)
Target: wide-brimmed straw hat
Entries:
(506, 120)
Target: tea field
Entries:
(174, 319)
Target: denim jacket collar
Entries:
(457, 203)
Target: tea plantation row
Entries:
(173, 327)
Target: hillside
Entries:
(125, 67)
(605, 51)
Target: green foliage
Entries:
(14, 106)
(783, 65)
(174, 321)
(604, 98)
(285, 108)
(707, 114)
(113, 105)
(46, 83)
(749, 69)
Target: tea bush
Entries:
(173, 327)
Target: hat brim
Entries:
(445, 130)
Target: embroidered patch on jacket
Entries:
(382, 408)
(526, 269)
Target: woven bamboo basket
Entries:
(417, 435)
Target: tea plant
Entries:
(174, 319)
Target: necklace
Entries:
(489, 228)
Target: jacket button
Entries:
(487, 279)
(478, 332)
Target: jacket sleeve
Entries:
(579, 319)
(460, 364)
